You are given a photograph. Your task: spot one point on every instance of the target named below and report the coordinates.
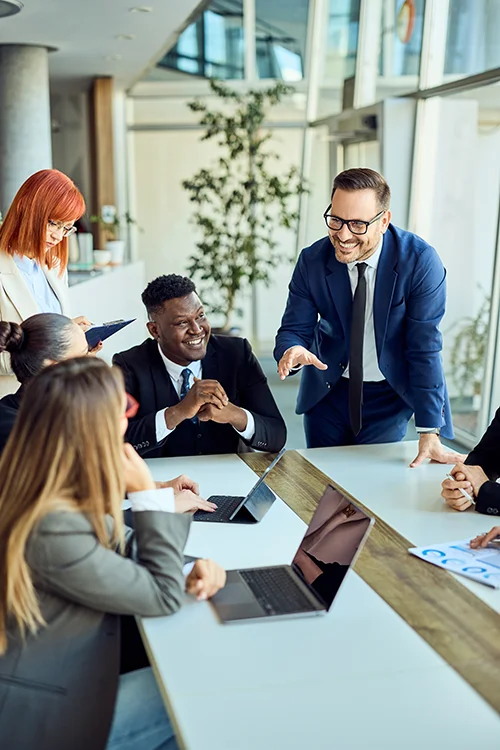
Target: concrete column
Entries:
(25, 138)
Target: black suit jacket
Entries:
(486, 454)
(9, 406)
(230, 361)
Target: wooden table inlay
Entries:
(453, 621)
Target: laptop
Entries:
(309, 585)
(249, 509)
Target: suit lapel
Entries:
(337, 278)
(16, 288)
(209, 363)
(165, 393)
(385, 284)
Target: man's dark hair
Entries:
(164, 288)
(364, 179)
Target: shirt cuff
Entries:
(428, 430)
(249, 430)
(162, 500)
(162, 430)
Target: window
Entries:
(213, 46)
(280, 38)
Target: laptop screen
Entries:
(337, 530)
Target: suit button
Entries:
(328, 385)
(199, 453)
(492, 511)
(199, 435)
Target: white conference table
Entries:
(409, 500)
(359, 677)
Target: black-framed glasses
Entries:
(355, 226)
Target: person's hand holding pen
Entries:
(462, 485)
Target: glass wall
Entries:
(400, 47)
(473, 37)
(341, 34)
(280, 38)
(213, 46)
(458, 214)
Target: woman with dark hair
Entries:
(39, 341)
(34, 253)
(69, 568)
(47, 338)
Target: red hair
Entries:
(48, 194)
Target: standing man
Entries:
(362, 315)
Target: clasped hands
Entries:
(208, 401)
(467, 478)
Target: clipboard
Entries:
(104, 331)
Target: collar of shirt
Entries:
(372, 261)
(175, 370)
(25, 264)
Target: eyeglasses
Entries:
(132, 406)
(355, 226)
(56, 226)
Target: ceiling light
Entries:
(10, 8)
(141, 9)
(127, 37)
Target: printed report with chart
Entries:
(482, 565)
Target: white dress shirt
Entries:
(38, 284)
(175, 373)
(371, 370)
(162, 500)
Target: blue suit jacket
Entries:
(409, 302)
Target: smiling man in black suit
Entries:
(198, 393)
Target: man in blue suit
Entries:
(363, 312)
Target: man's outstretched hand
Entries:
(430, 446)
(298, 355)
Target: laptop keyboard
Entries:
(276, 591)
(226, 505)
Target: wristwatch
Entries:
(428, 430)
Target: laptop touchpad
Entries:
(235, 600)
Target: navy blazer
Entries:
(409, 302)
(229, 360)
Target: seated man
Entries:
(478, 475)
(198, 393)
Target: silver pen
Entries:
(464, 493)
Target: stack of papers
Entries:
(482, 565)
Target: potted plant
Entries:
(111, 223)
(468, 353)
(241, 199)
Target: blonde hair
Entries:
(65, 453)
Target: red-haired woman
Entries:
(34, 253)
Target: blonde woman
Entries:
(69, 568)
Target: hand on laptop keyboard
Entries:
(187, 502)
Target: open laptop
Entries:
(307, 586)
(249, 509)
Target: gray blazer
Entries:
(58, 689)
